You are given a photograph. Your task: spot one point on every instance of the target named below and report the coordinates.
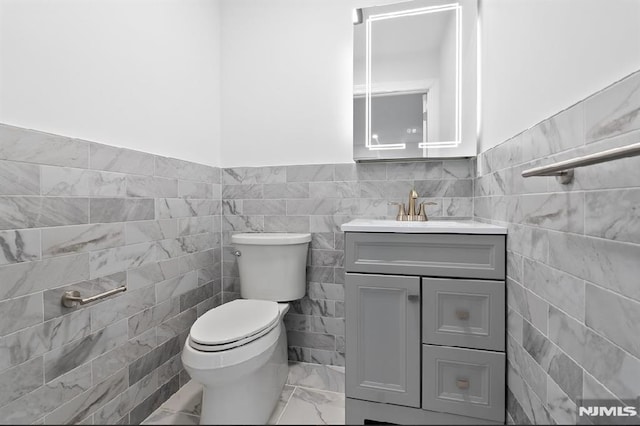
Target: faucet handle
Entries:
(402, 214)
(422, 212)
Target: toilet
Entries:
(238, 350)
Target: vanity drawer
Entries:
(441, 255)
(468, 382)
(465, 313)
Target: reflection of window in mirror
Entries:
(408, 75)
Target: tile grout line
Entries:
(286, 404)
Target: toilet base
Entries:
(251, 398)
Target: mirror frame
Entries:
(467, 85)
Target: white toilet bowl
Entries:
(238, 351)
(241, 384)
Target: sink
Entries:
(431, 226)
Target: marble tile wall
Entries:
(573, 290)
(318, 199)
(77, 215)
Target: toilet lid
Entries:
(234, 321)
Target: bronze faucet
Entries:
(412, 214)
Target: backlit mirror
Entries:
(415, 86)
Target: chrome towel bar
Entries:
(564, 169)
(72, 298)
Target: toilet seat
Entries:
(233, 324)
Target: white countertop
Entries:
(428, 227)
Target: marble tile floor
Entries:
(314, 394)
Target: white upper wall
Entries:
(140, 74)
(287, 81)
(542, 56)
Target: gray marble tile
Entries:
(528, 241)
(81, 238)
(113, 159)
(120, 209)
(149, 362)
(423, 170)
(614, 317)
(243, 223)
(151, 187)
(110, 261)
(110, 362)
(62, 181)
(23, 311)
(38, 212)
(253, 175)
(334, 358)
(326, 291)
(614, 110)
(326, 257)
(610, 264)
(198, 295)
(393, 190)
(457, 207)
(175, 326)
(445, 188)
(527, 304)
(515, 412)
(21, 380)
(340, 189)
(180, 169)
(560, 289)
(277, 191)
(507, 154)
(29, 277)
(176, 286)
(66, 358)
(286, 224)
(166, 417)
(152, 230)
(560, 212)
(321, 206)
(532, 406)
(264, 207)
(321, 377)
(610, 365)
(168, 208)
(613, 215)
(30, 146)
(19, 178)
(562, 408)
(249, 191)
(121, 306)
(515, 325)
(86, 403)
(558, 133)
(152, 317)
(19, 246)
(310, 173)
(120, 406)
(311, 340)
(188, 400)
(346, 172)
(316, 407)
(189, 189)
(198, 225)
(370, 171)
(231, 207)
(562, 369)
(529, 371)
(46, 398)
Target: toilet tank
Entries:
(272, 266)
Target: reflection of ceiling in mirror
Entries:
(407, 34)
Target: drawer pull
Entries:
(413, 297)
(462, 384)
(462, 314)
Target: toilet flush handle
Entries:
(237, 253)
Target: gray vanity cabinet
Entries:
(425, 341)
(383, 331)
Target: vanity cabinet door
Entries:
(383, 338)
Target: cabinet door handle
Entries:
(462, 314)
(462, 384)
(413, 297)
